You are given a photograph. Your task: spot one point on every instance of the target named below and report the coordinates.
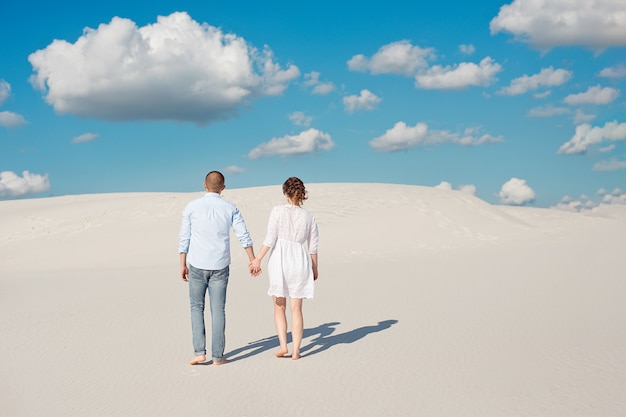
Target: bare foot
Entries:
(197, 359)
(281, 353)
(295, 356)
(222, 362)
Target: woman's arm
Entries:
(255, 264)
(314, 264)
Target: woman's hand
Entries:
(255, 267)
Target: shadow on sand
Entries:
(323, 339)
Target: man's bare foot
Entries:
(197, 359)
(281, 353)
(295, 356)
(222, 362)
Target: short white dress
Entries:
(292, 236)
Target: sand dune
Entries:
(430, 303)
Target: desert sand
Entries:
(430, 302)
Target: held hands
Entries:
(255, 267)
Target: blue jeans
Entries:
(216, 282)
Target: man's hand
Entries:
(184, 273)
(255, 267)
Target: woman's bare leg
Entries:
(297, 326)
(280, 321)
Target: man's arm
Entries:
(184, 237)
(184, 271)
(253, 271)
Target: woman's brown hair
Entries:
(294, 189)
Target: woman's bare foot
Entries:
(281, 353)
(222, 362)
(295, 356)
(197, 359)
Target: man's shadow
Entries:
(324, 340)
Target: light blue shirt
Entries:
(205, 232)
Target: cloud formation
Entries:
(548, 111)
(401, 137)
(10, 119)
(365, 101)
(85, 137)
(300, 119)
(467, 49)
(465, 74)
(617, 71)
(547, 24)
(586, 205)
(610, 165)
(516, 192)
(594, 95)
(309, 141)
(464, 188)
(312, 79)
(587, 136)
(174, 69)
(5, 91)
(547, 77)
(395, 58)
(234, 170)
(12, 185)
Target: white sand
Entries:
(430, 303)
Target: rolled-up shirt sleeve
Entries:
(239, 227)
(184, 235)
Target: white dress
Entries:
(292, 236)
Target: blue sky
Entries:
(516, 102)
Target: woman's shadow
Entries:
(325, 340)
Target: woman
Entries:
(291, 268)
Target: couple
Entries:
(204, 247)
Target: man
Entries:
(204, 247)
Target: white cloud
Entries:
(401, 137)
(12, 185)
(516, 192)
(593, 95)
(548, 111)
(395, 58)
(308, 141)
(585, 205)
(617, 196)
(462, 75)
(547, 77)
(546, 24)
(467, 49)
(10, 119)
(444, 185)
(468, 189)
(617, 71)
(581, 117)
(610, 165)
(85, 137)
(543, 94)
(234, 170)
(5, 90)
(464, 188)
(312, 79)
(587, 135)
(607, 149)
(174, 69)
(365, 101)
(300, 119)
